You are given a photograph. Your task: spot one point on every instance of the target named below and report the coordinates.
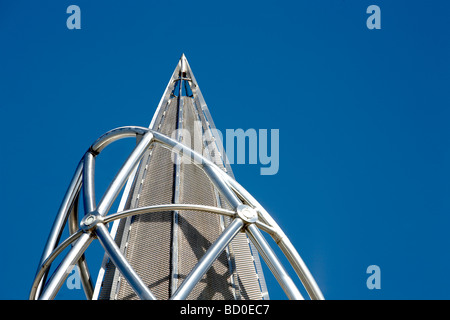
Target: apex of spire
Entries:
(183, 63)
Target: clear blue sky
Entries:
(363, 116)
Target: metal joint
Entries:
(93, 152)
(247, 213)
(90, 221)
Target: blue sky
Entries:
(363, 116)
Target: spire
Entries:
(183, 230)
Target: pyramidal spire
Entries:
(184, 229)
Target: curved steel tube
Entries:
(61, 218)
(69, 261)
(273, 263)
(167, 207)
(116, 134)
(43, 268)
(85, 275)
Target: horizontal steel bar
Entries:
(167, 207)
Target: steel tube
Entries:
(273, 263)
(300, 267)
(61, 217)
(122, 264)
(264, 227)
(116, 134)
(88, 183)
(61, 273)
(88, 287)
(113, 232)
(73, 216)
(167, 207)
(47, 263)
(208, 259)
(122, 176)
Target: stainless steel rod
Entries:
(69, 262)
(47, 263)
(208, 259)
(86, 280)
(167, 207)
(122, 264)
(88, 183)
(273, 263)
(116, 134)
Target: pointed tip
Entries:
(183, 62)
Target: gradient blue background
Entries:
(363, 117)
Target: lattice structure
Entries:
(185, 228)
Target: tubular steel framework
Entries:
(243, 214)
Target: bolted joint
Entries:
(247, 213)
(90, 221)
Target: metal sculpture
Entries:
(242, 215)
